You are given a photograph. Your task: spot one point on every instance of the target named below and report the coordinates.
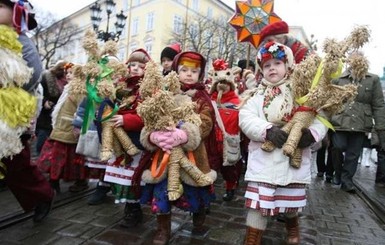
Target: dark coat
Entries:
(367, 108)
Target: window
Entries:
(150, 21)
(195, 5)
(135, 27)
(194, 30)
(135, 2)
(125, 5)
(210, 13)
(121, 53)
(133, 46)
(178, 24)
(148, 46)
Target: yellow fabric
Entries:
(185, 61)
(2, 165)
(9, 39)
(17, 107)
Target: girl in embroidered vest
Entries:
(274, 186)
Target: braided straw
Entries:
(125, 141)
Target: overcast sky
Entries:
(323, 18)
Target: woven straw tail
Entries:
(125, 141)
(106, 150)
(179, 160)
(301, 119)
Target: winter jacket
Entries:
(272, 167)
(63, 116)
(31, 56)
(196, 138)
(368, 105)
(52, 93)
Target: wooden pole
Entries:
(248, 56)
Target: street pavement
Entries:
(332, 217)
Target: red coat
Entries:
(229, 113)
(131, 119)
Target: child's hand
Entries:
(277, 136)
(163, 139)
(306, 139)
(76, 132)
(179, 137)
(117, 120)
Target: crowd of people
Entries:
(238, 108)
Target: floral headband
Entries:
(271, 50)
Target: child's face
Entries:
(274, 70)
(136, 69)
(166, 63)
(6, 14)
(69, 74)
(189, 75)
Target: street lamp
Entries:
(96, 19)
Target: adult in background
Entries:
(244, 76)
(355, 121)
(53, 82)
(278, 32)
(25, 181)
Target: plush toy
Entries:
(163, 108)
(17, 107)
(314, 91)
(100, 73)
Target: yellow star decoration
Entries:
(250, 17)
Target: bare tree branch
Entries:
(51, 35)
(213, 38)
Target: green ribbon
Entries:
(92, 93)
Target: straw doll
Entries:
(17, 107)
(164, 108)
(101, 71)
(314, 91)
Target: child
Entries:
(190, 67)
(58, 156)
(128, 118)
(223, 93)
(274, 187)
(167, 56)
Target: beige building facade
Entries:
(150, 25)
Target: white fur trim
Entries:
(194, 137)
(144, 136)
(147, 177)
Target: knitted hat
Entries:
(275, 28)
(22, 11)
(242, 64)
(170, 51)
(221, 74)
(190, 59)
(139, 55)
(274, 50)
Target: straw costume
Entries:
(17, 107)
(314, 91)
